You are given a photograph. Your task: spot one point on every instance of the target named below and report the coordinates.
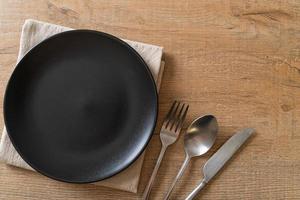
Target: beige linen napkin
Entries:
(34, 32)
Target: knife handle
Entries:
(196, 190)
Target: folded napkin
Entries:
(34, 32)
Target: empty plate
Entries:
(80, 106)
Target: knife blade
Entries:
(218, 160)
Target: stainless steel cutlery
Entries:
(168, 135)
(198, 139)
(218, 160)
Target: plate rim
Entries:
(61, 34)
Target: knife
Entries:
(218, 160)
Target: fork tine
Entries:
(167, 118)
(177, 116)
(173, 116)
(181, 119)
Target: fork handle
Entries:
(148, 188)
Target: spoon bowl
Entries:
(199, 138)
(200, 135)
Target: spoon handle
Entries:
(148, 188)
(180, 173)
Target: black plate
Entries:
(80, 106)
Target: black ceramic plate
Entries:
(81, 106)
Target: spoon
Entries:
(199, 138)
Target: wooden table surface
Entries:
(238, 60)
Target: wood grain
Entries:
(238, 60)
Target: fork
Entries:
(168, 135)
